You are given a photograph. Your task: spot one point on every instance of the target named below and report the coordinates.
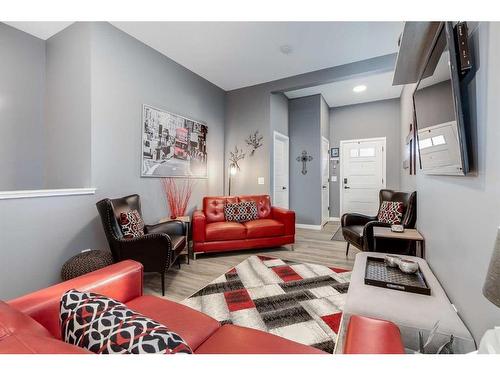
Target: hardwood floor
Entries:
(311, 246)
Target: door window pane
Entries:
(367, 152)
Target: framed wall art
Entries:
(172, 145)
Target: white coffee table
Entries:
(411, 312)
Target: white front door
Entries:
(281, 170)
(325, 176)
(362, 175)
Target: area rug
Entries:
(302, 302)
(338, 236)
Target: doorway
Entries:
(362, 174)
(281, 170)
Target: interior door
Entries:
(281, 170)
(362, 174)
(325, 176)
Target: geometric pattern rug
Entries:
(302, 302)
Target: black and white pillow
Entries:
(391, 212)
(131, 224)
(241, 212)
(105, 326)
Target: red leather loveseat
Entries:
(212, 233)
(30, 324)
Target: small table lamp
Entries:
(490, 342)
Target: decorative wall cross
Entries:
(304, 158)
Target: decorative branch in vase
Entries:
(178, 193)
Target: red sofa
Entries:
(212, 233)
(30, 324)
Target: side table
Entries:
(408, 234)
(188, 251)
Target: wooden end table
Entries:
(409, 234)
(188, 251)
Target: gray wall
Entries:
(249, 109)
(39, 234)
(324, 118)
(279, 113)
(304, 129)
(459, 216)
(67, 109)
(367, 120)
(22, 88)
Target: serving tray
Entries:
(378, 274)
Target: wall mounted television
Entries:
(439, 105)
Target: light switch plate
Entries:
(334, 178)
(260, 180)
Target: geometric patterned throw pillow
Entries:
(131, 224)
(241, 212)
(105, 326)
(391, 212)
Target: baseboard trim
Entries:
(308, 226)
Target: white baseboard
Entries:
(308, 226)
(334, 218)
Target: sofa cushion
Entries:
(105, 326)
(264, 228)
(194, 326)
(372, 336)
(231, 339)
(241, 212)
(32, 344)
(225, 231)
(213, 208)
(391, 212)
(263, 203)
(131, 224)
(14, 321)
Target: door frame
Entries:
(341, 172)
(285, 138)
(323, 219)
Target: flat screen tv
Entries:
(442, 128)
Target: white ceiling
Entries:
(238, 54)
(337, 94)
(41, 29)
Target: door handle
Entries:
(324, 186)
(283, 188)
(346, 187)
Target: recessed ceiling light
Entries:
(286, 49)
(359, 88)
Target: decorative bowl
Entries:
(392, 260)
(408, 266)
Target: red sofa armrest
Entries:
(286, 217)
(199, 226)
(121, 281)
(372, 336)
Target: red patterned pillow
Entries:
(131, 224)
(241, 212)
(391, 212)
(105, 326)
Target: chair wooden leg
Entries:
(163, 283)
(347, 250)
